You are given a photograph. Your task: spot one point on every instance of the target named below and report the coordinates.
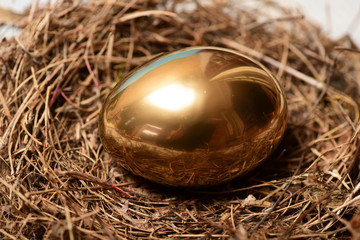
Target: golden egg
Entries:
(194, 117)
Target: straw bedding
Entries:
(57, 181)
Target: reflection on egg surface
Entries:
(195, 117)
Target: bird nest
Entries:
(58, 182)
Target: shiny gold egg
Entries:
(195, 117)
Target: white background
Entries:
(336, 17)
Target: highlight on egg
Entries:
(195, 117)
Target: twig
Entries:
(271, 61)
(90, 70)
(87, 177)
(134, 15)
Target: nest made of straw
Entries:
(57, 182)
